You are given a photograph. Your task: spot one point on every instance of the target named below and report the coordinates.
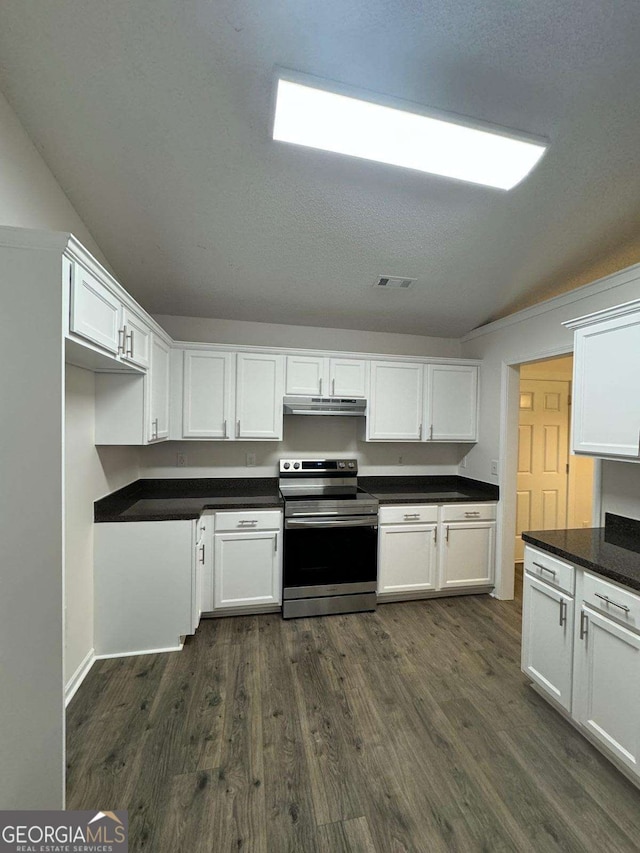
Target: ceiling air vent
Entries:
(394, 282)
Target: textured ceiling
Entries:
(154, 116)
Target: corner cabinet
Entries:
(606, 366)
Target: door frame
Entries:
(508, 468)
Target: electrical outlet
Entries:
(181, 460)
(400, 462)
(463, 462)
(494, 467)
(251, 460)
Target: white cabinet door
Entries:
(451, 402)
(95, 312)
(607, 700)
(259, 393)
(407, 555)
(306, 375)
(247, 569)
(395, 403)
(606, 408)
(547, 639)
(158, 378)
(137, 339)
(466, 554)
(207, 396)
(347, 377)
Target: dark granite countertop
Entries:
(612, 551)
(428, 490)
(178, 500)
(184, 499)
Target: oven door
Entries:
(329, 556)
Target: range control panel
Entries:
(318, 466)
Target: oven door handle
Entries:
(357, 521)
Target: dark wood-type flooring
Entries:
(409, 729)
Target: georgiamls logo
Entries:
(63, 832)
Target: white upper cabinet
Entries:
(306, 375)
(158, 379)
(259, 393)
(328, 377)
(451, 400)
(95, 313)
(347, 377)
(136, 339)
(207, 394)
(606, 408)
(395, 402)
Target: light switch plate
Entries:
(251, 460)
(494, 467)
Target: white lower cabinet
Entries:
(424, 548)
(584, 653)
(466, 554)
(407, 556)
(608, 685)
(247, 563)
(202, 589)
(547, 638)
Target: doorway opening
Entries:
(554, 488)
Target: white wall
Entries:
(303, 436)
(30, 196)
(207, 330)
(531, 335)
(621, 489)
(89, 474)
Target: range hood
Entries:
(350, 406)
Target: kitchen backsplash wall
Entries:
(304, 437)
(620, 489)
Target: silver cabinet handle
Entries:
(275, 543)
(584, 622)
(333, 387)
(545, 569)
(129, 352)
(446, 538)
(435, 535)
(409, 515)
(320, 386)
(155, 428)
(420, 433)
(248, 521)
(238, 429)
(225, 429)
(202, 553)
(472, 515)
(431, 432)
(121, 339)
(563, 612)
(612, 603)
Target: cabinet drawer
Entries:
(550, 569)
(411, 514)
(616, 602)
(469, 512)
(248, 520)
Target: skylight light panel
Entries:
(315, 117)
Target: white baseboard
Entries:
(78, 677)
(141, 652)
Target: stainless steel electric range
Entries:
(330, 539)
